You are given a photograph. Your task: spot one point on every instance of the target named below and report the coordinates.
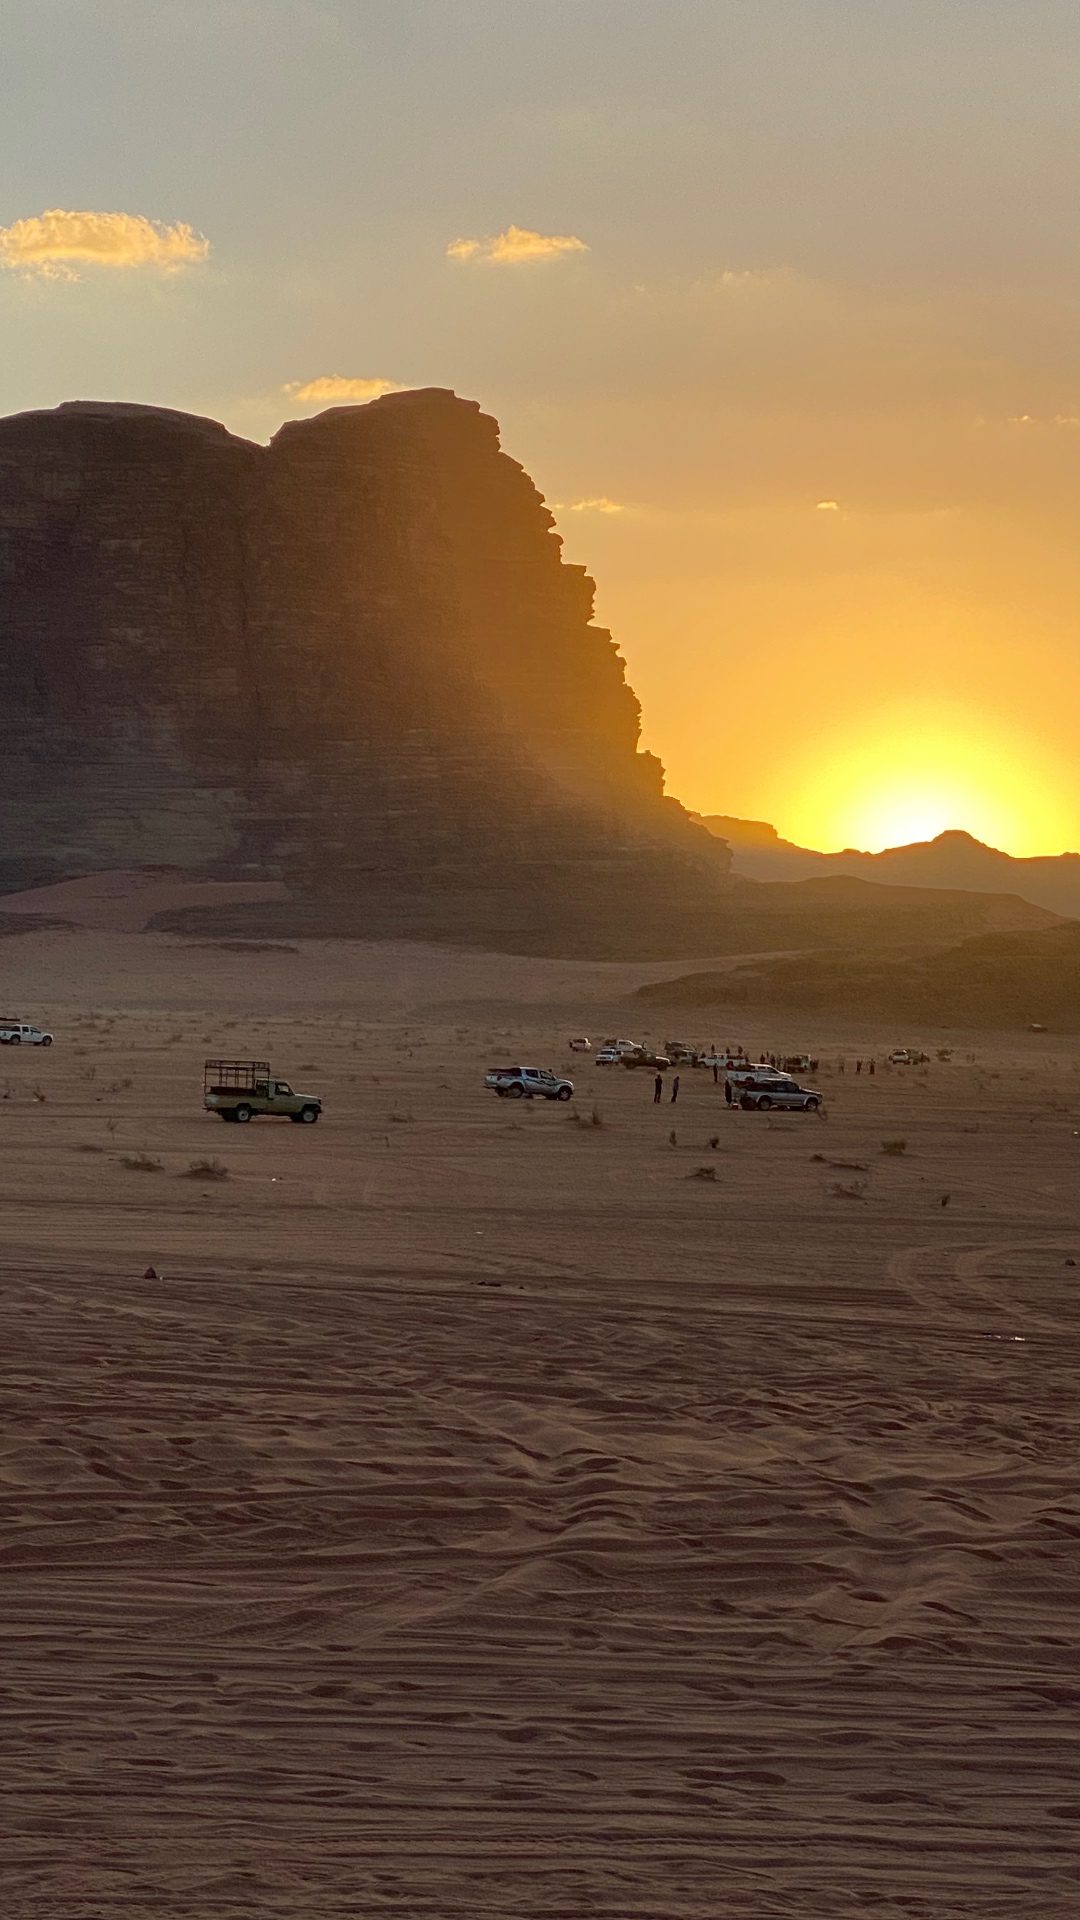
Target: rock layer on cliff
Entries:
(354, 659)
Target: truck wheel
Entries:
(16, 1040)
(242, 1114)
(47, 1040)
(812, 1106)
(564, 1093)
(308, 1116)
(515, 1093)
(501, 1091)
(764, 1103)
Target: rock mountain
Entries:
(354, 659)
(952, 860)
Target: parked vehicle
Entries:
(581, 1045)
(643, 1057)
(759, 1075)
(908, 1057)
(798, 1063)
(19, 1033)
(241, 1089)
(789, 1097)
(681, 1054)
(528, 1083)
(613, 1051)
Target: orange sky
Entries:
(792, 286)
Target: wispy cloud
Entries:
(335, 389)
(828, 506)
(1070, 420)
(517, 246)
(599, 504)
(55, 244)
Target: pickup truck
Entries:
(18, 1033)
(240, 1089)
(528, 1083)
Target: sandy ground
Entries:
(481, 1515)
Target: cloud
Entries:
(515, 246)
(1070, 420)
(827, 506)
(334, 389)
(600, 504)
(51, 245)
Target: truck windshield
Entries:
(282, 1086)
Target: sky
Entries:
(777, 300)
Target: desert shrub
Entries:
(714, 1141)
(702, 1173)
(140, 1163)
(206, 1170)
(894, 1147)
(401, 1119)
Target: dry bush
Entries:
(206, 1170)
(401, 1119)
(590, 1120)
(140, 1163)
(894, 1147)
(702, 1173)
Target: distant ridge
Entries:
(953, 860)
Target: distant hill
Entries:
(952, 860)
(995, 980)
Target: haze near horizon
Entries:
(777, 304)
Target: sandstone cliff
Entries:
(354, 659)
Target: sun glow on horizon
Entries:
(910, 781)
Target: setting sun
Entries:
(906, 781)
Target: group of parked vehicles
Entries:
(241, 1090)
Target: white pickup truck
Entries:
(528, 1083)
(19, 1033)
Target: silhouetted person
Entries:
(727, 1093)
(715, 1074)
(858, 1066)
(658, 1089)
(674, 1089)
(871, 1068)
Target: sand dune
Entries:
(480, 1516)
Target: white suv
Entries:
(781, 1094)
(528, 1083)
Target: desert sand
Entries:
(481, 1514)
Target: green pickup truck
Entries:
(240, 1089)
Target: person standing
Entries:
(674, 1089)
(716, 1073)
(727, 1093)
(658, 1089)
